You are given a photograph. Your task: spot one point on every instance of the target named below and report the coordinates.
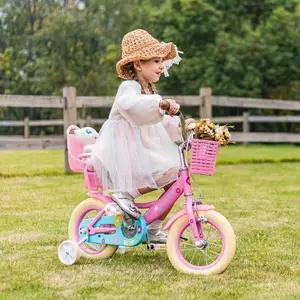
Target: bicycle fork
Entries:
(191, 209)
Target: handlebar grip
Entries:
(178, 113)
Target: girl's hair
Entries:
(129, 70)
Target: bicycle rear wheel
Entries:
(88, 209)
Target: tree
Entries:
(249, 60)
(81, 47)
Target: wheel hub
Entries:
(202, 244)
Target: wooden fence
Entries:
(69, 102)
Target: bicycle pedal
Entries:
(156, 246)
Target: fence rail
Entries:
(32, 123)
(57, 142)
(69, 102)
(32, 101)
(255, 103)
(37, 142)
(257, 119)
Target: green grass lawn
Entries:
(51, 162)
(260, 200)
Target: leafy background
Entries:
(239, 48)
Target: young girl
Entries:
(135, 152)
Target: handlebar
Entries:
(186, 139)
(182, 121)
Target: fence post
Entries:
(88, 120)
(26, 128)
(70, 117)
(206, 103)
(81, 123)
(245, 126)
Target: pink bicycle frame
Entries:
(159, 207)
(168, 199)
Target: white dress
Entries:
(135, 148)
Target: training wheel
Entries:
(68, 252)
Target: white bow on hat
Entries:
(168, 63)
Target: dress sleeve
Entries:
(173, 127)
(139, 109)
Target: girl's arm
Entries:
(139, 109)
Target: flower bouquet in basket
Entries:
(206, 144)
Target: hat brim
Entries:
(166, 51)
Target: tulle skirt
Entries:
(127, 158)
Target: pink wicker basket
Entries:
(204, 156)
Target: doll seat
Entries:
(74, 149)
(76, 163)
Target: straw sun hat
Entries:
(140, 45)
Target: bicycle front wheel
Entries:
(216, 251)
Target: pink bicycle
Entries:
(200, 240)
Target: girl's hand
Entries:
(169, 105)
(174, 107)
(164, 104)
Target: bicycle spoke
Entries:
(188, 244)
(189, 249)
(193, 256)
(216, 245)
(207, 255)
(213, 252)
(193, 249)
(199, 260)
(209, 230)
(213, 237)
(214, 241)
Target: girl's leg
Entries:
(126, 201)
(145, 190)
(148, 190)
